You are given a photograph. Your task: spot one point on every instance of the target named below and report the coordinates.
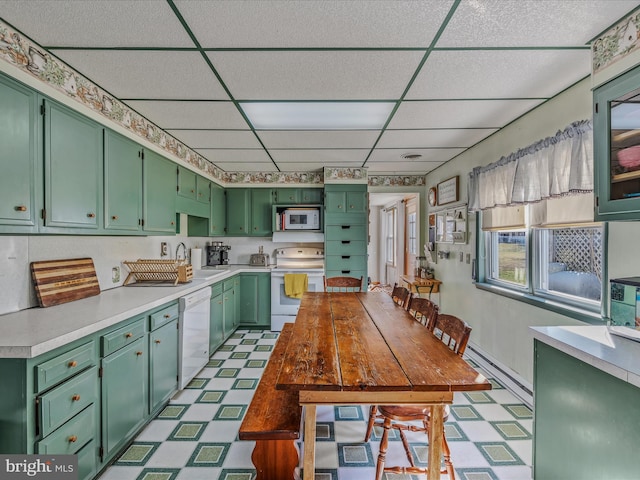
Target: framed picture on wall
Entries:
(448, 191)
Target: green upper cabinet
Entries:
(18, 154)
(345, 199)
(159, 188)
(294, 196)
(261, 214)
(187, 183)
(616, 133)
(203, 187)
(72, 169)
(218, 216)
(122, 183)
(238, 211)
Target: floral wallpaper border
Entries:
(616, 43)
(397, 180)
(25, 54)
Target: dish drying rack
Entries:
(176, 271)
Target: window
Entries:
(508, 257)
(413, 242)
(390, 229)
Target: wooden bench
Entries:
(273, 420)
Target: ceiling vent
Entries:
(411, 156)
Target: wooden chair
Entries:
(455, 333)
(424, 311)
(342, 284)
(401, 295)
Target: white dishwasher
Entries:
(194, 334)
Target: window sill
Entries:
(545, 303)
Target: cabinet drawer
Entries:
(229, 284)
(357, 273)
(346, 262)
(122, 336)
(64, 366)
(72, 436)
(345, 232)
(346, 247)
(63, 402)
(163, 316)
(216, 289)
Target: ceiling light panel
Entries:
(316, 75)
(217, 138)
(499, 73)
(439, 155)
(318, 139)
(190, 115)
(433, 138)
(160, 74)
(97, 23)
(460, 114)
(278, 24)
(525, 23)
(317, 115)
(326, 156)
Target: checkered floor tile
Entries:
(195, 437)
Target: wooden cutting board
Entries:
(62, 281)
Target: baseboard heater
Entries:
(519, 389)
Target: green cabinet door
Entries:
(216, 326)
(356, 201)
(334, 201)
(238, 211)
(287, 196)
(122, 183)
(255, 299)
(261, 214)
(229, 307)
(72, 169)
(159, 190)
(187, 183)
(124, 394)
(236, 301)
(202, 189)
(218, 218)
(18, 153)
(163, 364)
(311, 196)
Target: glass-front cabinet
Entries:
(617, 148)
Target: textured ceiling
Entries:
(450, 73)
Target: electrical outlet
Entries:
(115, 274)
(164, 249)
(461, 257)
(468, 258)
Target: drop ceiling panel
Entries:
(240, 156)
(197, 139)
(314, 23)
(522, 23)
(393, 155)
(460, 114)
(319, 139)
(402, 168)
(168, 115)
(97, 23)
(499, 73)
(149, 74)
(327, 156)
(433, 138)
(316, 75)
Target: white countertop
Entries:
(32, 332)
(595, 346)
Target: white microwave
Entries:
(301, 219)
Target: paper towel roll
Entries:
(196, 258)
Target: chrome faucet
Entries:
(184, 249)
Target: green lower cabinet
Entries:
(229, 305)
(163, 364)
(124, 395)
(255, 299)
(586, 421)
(216, 325)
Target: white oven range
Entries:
(309, 260)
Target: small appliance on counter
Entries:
(259, 259)
(625, 307)
(217, 254)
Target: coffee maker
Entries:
(217, 254)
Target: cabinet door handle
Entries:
(114, 217)
(138, 353)
(345, 227)
(346, 256)
(157, 341)
(192, 191)
(339, 206)
(166, 315)
(73, 439)
(346, 271)
(72, 364)
(91, 215)
(173, 223)
(346, 242)
(128, 335)
(20, 208)
(75, 398)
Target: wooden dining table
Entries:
(363, 349)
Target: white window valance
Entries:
(553, 167)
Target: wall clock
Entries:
(432, 196)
